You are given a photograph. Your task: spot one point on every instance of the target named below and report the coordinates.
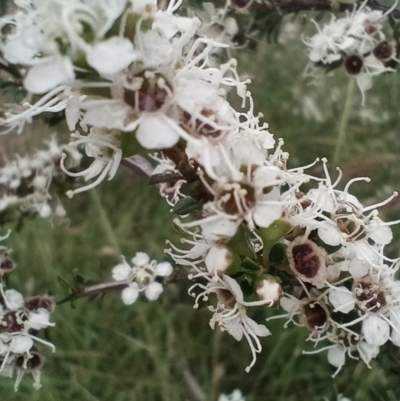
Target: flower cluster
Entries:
(25, 182)
(20, 321)
(131, 77)
(144, 276)
(357, 42)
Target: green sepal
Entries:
(186, 206)
(235, 266)
(271, 235)
(239, 244)
(250, 264)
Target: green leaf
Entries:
(271, 235)
(161, 178)
(186, 206)
(64, 283)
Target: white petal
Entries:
(21, 344)
(368, 351)
(264, 215)
(14, 300)
(376, 330)
(358, 268)
(121, 272)
(380, 234)
(130, 294)
(219, 228)
(153, 291)
(330, 234)
(112, 55)
(259, 329)
(141, 259)
(163, 269)
(39, 319)
(289, 305)
(72, 110)
(342, 299)
(336, 356)
(48, 74)
(155, 133)
(234, 287)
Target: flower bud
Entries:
(269, 289)
(218, 260)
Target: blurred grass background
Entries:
(165, 350)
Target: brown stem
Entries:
(94, 290)
(189, 173)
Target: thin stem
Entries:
(344, 121)
(218, 370)
(94, 290)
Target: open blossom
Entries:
(141, 277)
(230, 313)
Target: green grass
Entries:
(151, 351)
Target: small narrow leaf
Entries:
(186, 206)
(161, 178)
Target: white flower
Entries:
(230, 312)
(141, 277)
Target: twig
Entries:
(94, 290)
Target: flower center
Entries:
(384, 51)
(237, 199)
(226, 298)
(13, 322)
(150, 94)
(369, 296)
(306, 260)
(354, 64)
(314, 316)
